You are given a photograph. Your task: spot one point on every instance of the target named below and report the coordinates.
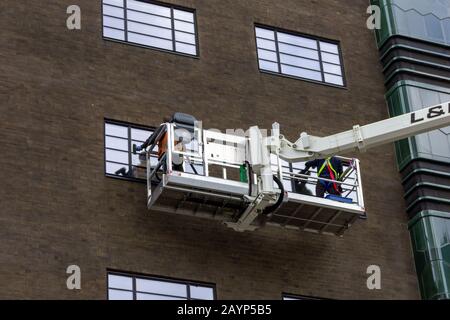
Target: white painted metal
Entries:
(367, 136)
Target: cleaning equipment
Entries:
(261, 194)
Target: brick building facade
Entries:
(58, 208)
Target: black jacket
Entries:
(335, 163)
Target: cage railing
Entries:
(207, 148)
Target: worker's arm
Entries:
(150, 140)
(311, 164)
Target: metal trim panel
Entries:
(208, 183)
(325, 203)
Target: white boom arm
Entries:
(368, 136)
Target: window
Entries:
(296, 297)
(151, 25)
(299, 56)
(119, 159)
(123, 286)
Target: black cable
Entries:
(193, 168)
(277, 204)
(250, 177)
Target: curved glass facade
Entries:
(414, 43)
(430, 237)
(407, 96)
(421, 19)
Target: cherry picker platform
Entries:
(252, 181)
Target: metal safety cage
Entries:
(201, 174)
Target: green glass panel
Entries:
(434, 28)
(430, 237)
(407, 96)
(428, 20)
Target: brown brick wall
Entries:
(57, 208)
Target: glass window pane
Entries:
(332, 68)
(116, 130)
(113, 22)
(113, 11)
(267, 55)
(303, 73)
(329, 47)
(185, 37)
(300, 62)
(416, 24)
(149, 8)
(332, 58)
(264, 33)
(150, 41)
(265, 44)
(149, 19)
(198, 168)
(117, 156)
(140, 134)
(118, 3)
(139, 159)
(119, 295)
(161, 287)
(434, 28)
(269, 66)
(185, 48)
(112, 168)
(146, 296)
(446, 27)
(116, 143)
(297, 51)
(120, 282)
(203, 293)
(138, 172)
(296, 40)
(334, 79)
(149, 30)
(184, 26)
(113, 33)
(183, 15)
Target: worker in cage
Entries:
(178, 145)
(330, 169)
(162, 144)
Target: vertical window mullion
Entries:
(277, 49)
(130, 151)
(134, 289)
(188, 288)
(319, 51)
(197, 47)
(172, 19)
(125, 20)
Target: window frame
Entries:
(136, 275)
(129, 126)
(319, 51)
(162, 4)
(297, 297)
